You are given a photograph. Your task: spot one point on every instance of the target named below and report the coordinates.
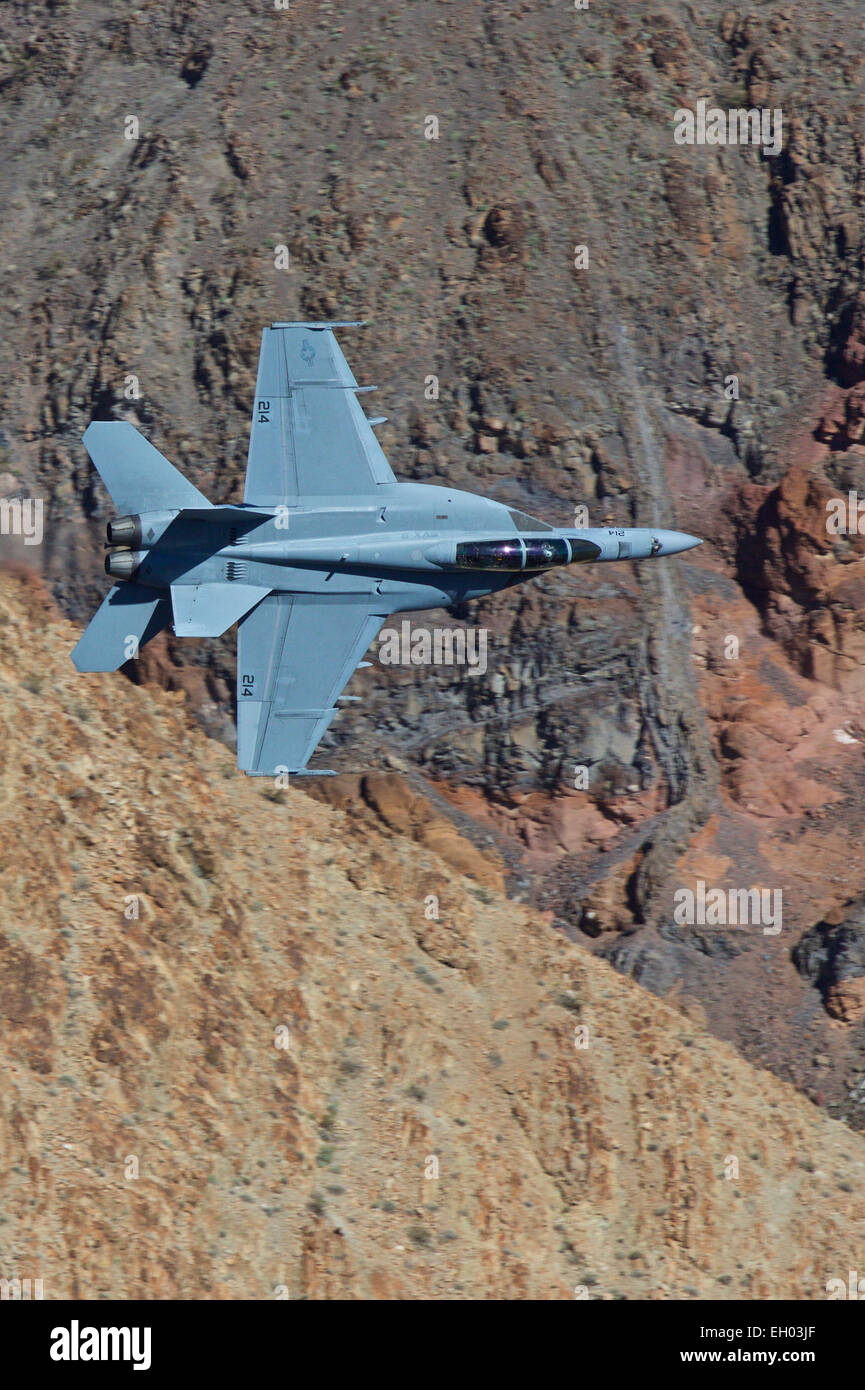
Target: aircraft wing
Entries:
(309, 435)
(295, 653)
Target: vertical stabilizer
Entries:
(137, 476)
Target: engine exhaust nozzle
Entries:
(124, 530)
(123, 564)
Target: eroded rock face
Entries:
(832, 957)
(386, 798)
(807, 576)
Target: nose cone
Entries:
(674, 542)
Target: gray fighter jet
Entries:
(324, 547)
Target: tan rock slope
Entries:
(652, 1163)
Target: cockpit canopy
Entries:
(523, 553)
(542, 553)
(490, 555)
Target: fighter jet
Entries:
(324, 547)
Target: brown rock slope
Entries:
(148, 1045)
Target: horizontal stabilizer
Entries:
(129, 616)
(208, 610)
(137, 476)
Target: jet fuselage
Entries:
(424, 545)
